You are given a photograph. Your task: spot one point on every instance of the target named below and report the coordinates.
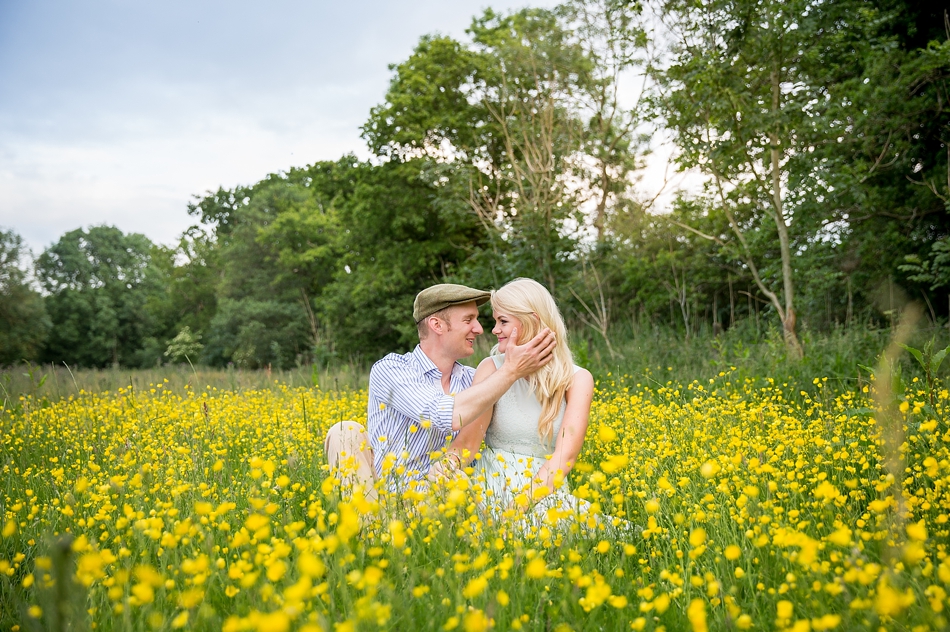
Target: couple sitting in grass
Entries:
(428, 414)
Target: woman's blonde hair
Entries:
(534, 308)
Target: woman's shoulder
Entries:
(495, 360)
(489, 365)
(582, 379)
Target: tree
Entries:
(98, 286)
(255, 333)
(737, 94)
(276, 249)
(24, 323)
(616, 44)
(188, 276)
(504, 113)
(885, 84)
(184, 346)
(401, 231)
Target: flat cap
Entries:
(438, 297)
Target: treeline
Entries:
(821, 131)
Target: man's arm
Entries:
(396, 388)
(520, 361)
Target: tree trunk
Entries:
(793, 346)
(732, 305)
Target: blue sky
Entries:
(117, 112)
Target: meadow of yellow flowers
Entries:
(741, 504)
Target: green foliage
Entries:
(401, 236)
(188, 276)
(506, 109)
(820, 130)
(184, 346)
(24, 323)
(254, 333)
(277, 247)
(98, 284)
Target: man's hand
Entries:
(523, 360)
(447, 468)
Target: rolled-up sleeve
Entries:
(439, 412)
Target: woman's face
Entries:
(504, 323)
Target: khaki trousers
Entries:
(348, 451)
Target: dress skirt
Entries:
(506, 476)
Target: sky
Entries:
(119, 112)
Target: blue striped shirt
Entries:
(409, 415)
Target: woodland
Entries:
(818, 131)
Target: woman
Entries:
(535, 432)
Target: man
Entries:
(420, 400)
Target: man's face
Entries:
(461, 330)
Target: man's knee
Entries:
(345, 434)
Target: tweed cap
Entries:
(438, 297)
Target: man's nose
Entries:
(477, 330)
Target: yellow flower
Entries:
(536, 568)
(256, 522)
(475, 587)
(696, 613)
(890, 601)
(697, 536)
(732, 552)
(190, 598)
(144, 593)
(349, 524)
(597, 593)
(180, 621)
(917, 531)
(784, 609)
(274, 622)
(826, 622)
(475, 621)
(841, 537)
(826, 490)
(276, 570)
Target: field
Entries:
(750, 504)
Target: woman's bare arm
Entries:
(570, 439)
(466, 443)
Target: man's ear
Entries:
(435, 324)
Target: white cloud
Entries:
(117, 112)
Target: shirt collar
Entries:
(427, 365)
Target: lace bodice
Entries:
(514, 423)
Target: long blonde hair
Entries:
(534, 308)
